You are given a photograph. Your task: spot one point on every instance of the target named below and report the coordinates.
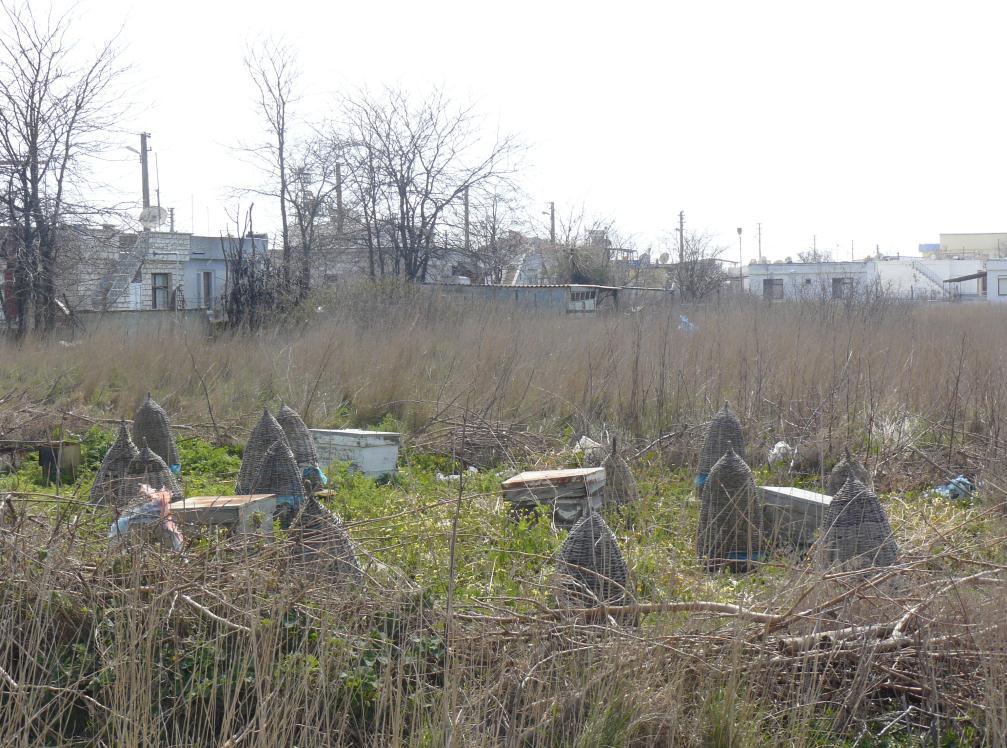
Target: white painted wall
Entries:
(806, 279)
(988, 244)
(908, 277)
(996, 281)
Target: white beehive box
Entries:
(792, 516)
(373, 453)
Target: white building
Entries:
(981, 245)
(796, 280)
(918, 278)
(996, 280)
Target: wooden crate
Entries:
(234, 512)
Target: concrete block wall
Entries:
(168, 254)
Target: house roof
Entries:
(528, 285)
(970, 276)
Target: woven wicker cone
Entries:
(321, 544)
(730, 515)
(592, 565)
(146, 468)
(152, 427)
(723, 433)
(264, 435)
(277, 473)
(620, 485)
(847, 467)
(298, 437)
(113, 468)
(855, 532)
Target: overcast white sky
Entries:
(880, 123)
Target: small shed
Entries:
(567, 298)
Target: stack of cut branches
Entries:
(481, 443)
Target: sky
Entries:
(849, 125)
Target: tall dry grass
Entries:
(881, 375)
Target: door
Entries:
(160, 285)
(206, 289)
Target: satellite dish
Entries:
(663, 259)
(645, 258)
(153, 217)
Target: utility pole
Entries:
(851, 251)
(157, 182)
(760, 240)
(143, 168)
(741, 258)
(552, 223)
(339, 199)
(681, 237)
(468, 246)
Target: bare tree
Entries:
(302, 165)
(814, 255)
(314, 178)
(273, 69)
(584, 248)
(699, 273)
(251, 294)
(55, 104)
(411, 162)
(496, 238)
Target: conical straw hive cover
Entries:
(152, 427)
(264, 435)
(146, 468)
(855, 532)
(730, 516)
(722, 433)
(620, 485)
(110, 475)
(591, 559)
(847, 467)
(321, 540)
(298, 437)
(278, 474)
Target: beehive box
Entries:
(572, 493)
(373, 453)
(235, 512)
(792, 516)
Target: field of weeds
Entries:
(456, 636)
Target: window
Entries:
(160, 285)
(206, 290)
(772, 288)
(842, 288)
(582, 300)
(1002, 285)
